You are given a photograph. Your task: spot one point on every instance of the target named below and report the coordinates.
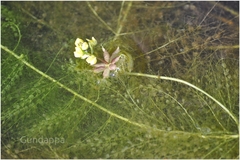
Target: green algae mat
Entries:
(120, 80)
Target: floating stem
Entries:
(191, 85)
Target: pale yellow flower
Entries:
(78, 42)
(78, 52)
(91, 60)
(81, 44)
(84, 46)
(92, 42)
(81, 50)
(85, 56)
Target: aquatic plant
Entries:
(108, 64)
(181, 91)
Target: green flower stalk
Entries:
(92, 42)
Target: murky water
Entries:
(78, 114)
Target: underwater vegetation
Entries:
(120, 80)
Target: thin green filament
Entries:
(191, 85)
(123, 118)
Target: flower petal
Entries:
(77, 55)
(91, 60)
(78, 42)
(115, 60)
(106, 73)
(100, 65)
(84, 56)
(105, 55)
(115, 54)
(98, 69)
(92, 42)
(78, 52)
(112, 66)
(84, 46)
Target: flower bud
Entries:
(92, 42)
